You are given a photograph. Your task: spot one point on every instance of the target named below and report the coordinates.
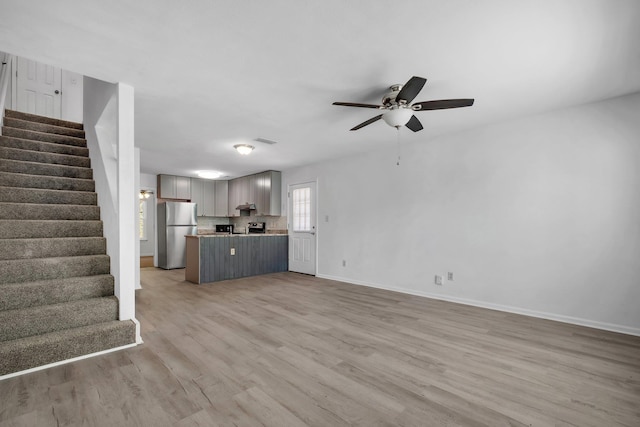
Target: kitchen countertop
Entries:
(236, 235)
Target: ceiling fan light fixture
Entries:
(397, 117)
(244, 149)
(209, 174)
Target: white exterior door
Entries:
(302, 228)
(38, 88)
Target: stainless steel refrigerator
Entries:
(175, 220)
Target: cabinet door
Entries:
(254, 189)
(183, 187)
(166, 187)
(265, 193)
(234, 196)
(197, 187)
(221, 205)
(209, 197)
(275, 193)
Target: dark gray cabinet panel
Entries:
(253, 255)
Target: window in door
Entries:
(301, 209)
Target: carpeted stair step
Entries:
(34, 229)
(9, 179)
(25, 353)
(34, 168)
(41, 119)
(42, 157)
(51, 247)
(42, 136)
(42, 196)
(43, 292)
(42, 127)
(25, 211)
(31, 270)
(49, 147)
(26, 322)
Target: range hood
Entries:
(247, 207)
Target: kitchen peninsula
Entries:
(211, 258)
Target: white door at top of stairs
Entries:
(38, 88)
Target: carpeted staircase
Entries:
(56, 290)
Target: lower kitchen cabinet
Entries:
(210, 259)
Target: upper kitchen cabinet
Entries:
(203, 193)
(174, 187)
(268, 194)
(221, 207)
(261, 189)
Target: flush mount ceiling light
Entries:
(244, 149)
(145, 194)
(209, 174)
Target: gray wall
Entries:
(539, 215)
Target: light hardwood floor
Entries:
(293, 350)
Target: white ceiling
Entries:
(209, 74)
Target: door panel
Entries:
(36, 88)
(302, 228)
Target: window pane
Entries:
(302, 209)
(143, 220)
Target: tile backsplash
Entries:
(240, 223)
(273, 222)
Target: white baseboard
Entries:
(509, 309)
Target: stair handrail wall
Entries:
(5, 78)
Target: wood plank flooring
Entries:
(293, 350)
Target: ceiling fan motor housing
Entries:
(389, 98)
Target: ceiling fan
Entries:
(398, 110)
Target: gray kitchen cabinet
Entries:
(203, 194)
(268, 193)
(221, 204)
(262, 189)
(234, 197)
(197, 195)
(174, 187)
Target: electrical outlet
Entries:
(438, 280)
(233, 251)
(344, 262)
(450, 275)
(326, 218)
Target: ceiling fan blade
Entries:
(414, 124)
(355, 104)
(442, 104)
(410, 90)
(368, 122)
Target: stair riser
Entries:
(33, 294)
(34, 229)
(42, 127)
(49, 248)
(26, 322)
(47, 147)
(42, 119)
(27, 353)
(40, 157)
(45, 137)
(31, 168)
(58, 197)
(31, 270)
(24, 211)
(9, 179)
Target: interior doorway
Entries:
(38, 88)
(302, 227)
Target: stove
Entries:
(256, 228)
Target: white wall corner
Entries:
(127, 174)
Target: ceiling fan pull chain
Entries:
(398, 161)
